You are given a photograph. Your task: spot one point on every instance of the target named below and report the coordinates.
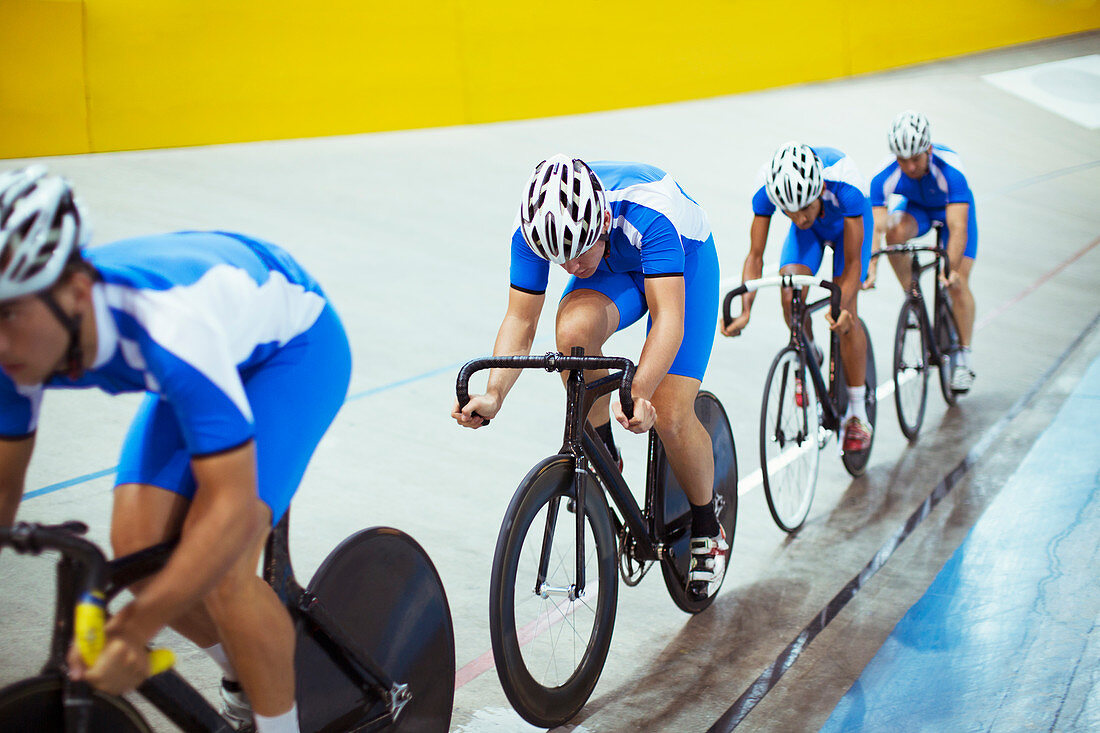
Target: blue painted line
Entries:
(71, 482)
(350, 398)
(1003, 631)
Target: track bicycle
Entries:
(800, 411)
(920, 341)
(553, 590)
(375, 642)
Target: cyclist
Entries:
(933, 188)
(245, 364)
(822, 193)
(634, 242)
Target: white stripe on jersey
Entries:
(845, 170)
(951, 158)
(33, 393)
(937, 173)
(228, 304)
(891, 184)
(632, 234)
(665, 197)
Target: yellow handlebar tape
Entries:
(90, 618)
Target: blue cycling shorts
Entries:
(925, 215)
(627, 291)
(294, 397)
(807, 247)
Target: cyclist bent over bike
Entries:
(822, 193)
(634, 243)
(245, 364)
(932, 187)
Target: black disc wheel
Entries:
(947, 341)
(910, 370)
(855, 462)
(673, 512)
(37, 704)
(382, 590)
(790, 439)
(550, 639)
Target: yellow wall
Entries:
(98, 75)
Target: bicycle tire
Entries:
(911, 350)
(673, 512)
(384, 592)
(36, 704)
(546, 692)
(946, 332)
(790, 440)
(855, 462)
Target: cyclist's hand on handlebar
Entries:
(842, 324)
(645, 414)
(121, 667)
(737, 325)
(485, 406)
(951, 280)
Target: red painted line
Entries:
(485, 662)
(1035, 285)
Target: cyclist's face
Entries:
(805, 218)
(32, 341)
(587, 263)
(914, 167)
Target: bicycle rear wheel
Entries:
(673, 512)
(549, 644)
(910, 370)
(37, 704)
(382, 589)
(947, 341)
(790, 439)
(855, 462)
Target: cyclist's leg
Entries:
(905, 222)
(962, 299)
(853, 344)
(294, 397)
(591, 309)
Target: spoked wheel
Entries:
(674, 512)
(856, 461)
(37, 704)
(910, 370)
(790, 439)
(383, 591)
(549, 641)
(947, 341)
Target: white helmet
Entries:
(40, 228)
(794, 179)
(910, 135)
(562, 212)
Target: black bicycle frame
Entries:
(581, 443)
(83, 567)
(800, 341)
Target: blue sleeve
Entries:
(528, 272)
(662, 252)
(761, 204)
(958, 190)
(878, 185)
(210, 419)
(18, 408)
(851, 198)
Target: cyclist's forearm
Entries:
(515, 338)
(658, 353)
(15, 456)
(752, 270)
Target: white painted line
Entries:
(1070, 88)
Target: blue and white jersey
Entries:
(184, 316)
(654, 226)
(944, 183)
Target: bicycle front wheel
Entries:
(910, 370)
(790, 441)
(383, 591)
(549, 640)
(37, 704)
(947, 341)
